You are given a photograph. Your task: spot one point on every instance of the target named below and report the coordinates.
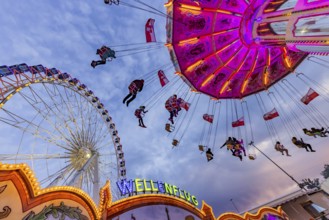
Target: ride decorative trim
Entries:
(20, 181)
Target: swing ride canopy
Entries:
(215, 50)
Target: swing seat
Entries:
(169, 128)
(252, 157)
(320, 134)
(209, 157)
(310, 134)
(175, 143)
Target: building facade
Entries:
(303, 205)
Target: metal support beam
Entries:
(4, 157)
(59, 177)
(78, 173)
(96, 187)
(292, 178)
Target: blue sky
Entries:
(66, 34)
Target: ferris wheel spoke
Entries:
(45, 117)
(60, 111)
(79, 103)
(55, 177)
(49, 110)
(35, 129)
(68, 106)
(4, 157)
(58, 114)
(81, 106)
(20, 120)
(102, 144)
(76, 128)
(101, 136)
(67, 127)
(64, 176)
(85, 115)
(111, 164)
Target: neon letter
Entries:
(175, 190)
(187, 196)
(145, 187)
(123, 185)
(160, 186)
(168, 188)
(138, 185)
(152, 187)
(195, 202)
(181, 195)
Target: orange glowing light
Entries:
(191, 67)
(268, 57)
(217, 11)
(191, 7)
(269, 10)
(207, 79)
(191, 40)
(227, 46)
(287, 61)
(266, 76)
(244, 85)
(254, 65)
(263, 30)
(228, 30)
(168, 4)
(196, 8)
(278, 2)
(224, 87)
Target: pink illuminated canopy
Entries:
(212, 46)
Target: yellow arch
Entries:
(133, 202)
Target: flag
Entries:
(149, 31)
(183, 104)
(208, 118)
(270, 115)
(239, 122)
(310, 95)
(162, 77)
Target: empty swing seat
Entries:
(175, 143)
(168, 127)
(252, 156)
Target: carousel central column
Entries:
(302, 25)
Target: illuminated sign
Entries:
(138, 186)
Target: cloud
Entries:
(66, 34)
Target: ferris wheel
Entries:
(55, 124)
